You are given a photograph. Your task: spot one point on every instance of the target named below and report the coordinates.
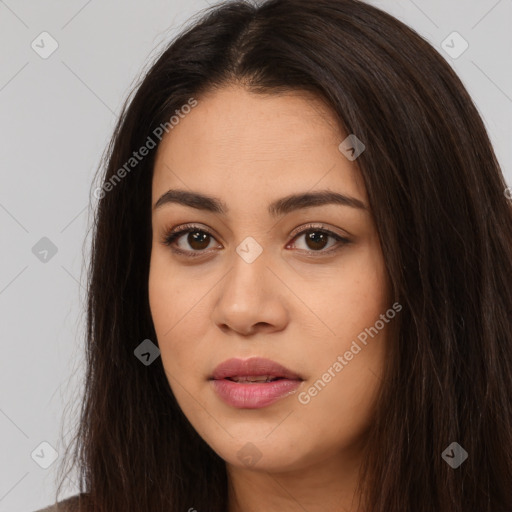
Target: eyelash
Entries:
(170, 236)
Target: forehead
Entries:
(253, 144)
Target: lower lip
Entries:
(254, 396)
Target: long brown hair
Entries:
(437, 194)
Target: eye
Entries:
(316, 239)
(199, 239)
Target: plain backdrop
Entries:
(57, 114)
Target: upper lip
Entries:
(253, 367)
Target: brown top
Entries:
(67, 505)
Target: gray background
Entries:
(56, 118)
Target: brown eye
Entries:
(316, 240)
(197, 240)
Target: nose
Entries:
(251, 299)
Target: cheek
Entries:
(340, 397)
(167, 304)
(351, 296)
(171, 296)
(177, 305)
(351, 306)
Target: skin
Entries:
(301, 311)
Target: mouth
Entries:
(253, 383)
(255, 369)
(250, 379)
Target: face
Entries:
(302, 284)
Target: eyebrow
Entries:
(277, 208)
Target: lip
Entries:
(253, 395)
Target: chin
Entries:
(278, 454)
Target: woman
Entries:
(299, 292)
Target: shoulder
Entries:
(72, 504)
